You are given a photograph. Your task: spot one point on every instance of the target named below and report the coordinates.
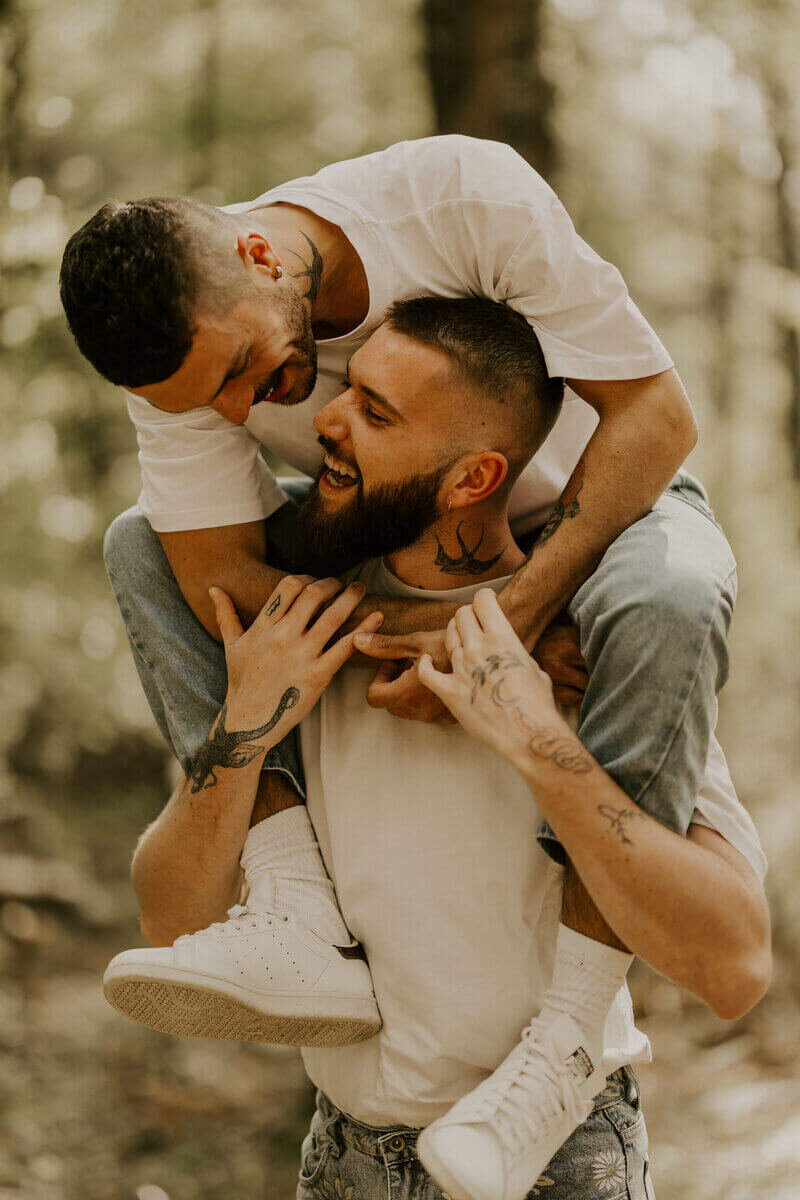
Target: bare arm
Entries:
(186, 867)
(646, 430)
(691, 907)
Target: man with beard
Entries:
(429, 840)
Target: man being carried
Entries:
(431, 842)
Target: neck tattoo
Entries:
(467, 562)
(312, 270)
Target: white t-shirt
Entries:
(430, 839)
(445, 216)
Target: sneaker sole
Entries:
(438, 1172)
(191, 1009)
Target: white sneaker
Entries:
(497, 1140)
(261, 976)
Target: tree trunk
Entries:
(14, 28)
(485, 71)
(204, 113)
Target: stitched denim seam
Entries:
(679, 723)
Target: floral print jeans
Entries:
(604, 1159)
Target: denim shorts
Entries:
(604, 1159)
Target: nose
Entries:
(234, 404)
(331, 421)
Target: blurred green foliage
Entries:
(677, 140)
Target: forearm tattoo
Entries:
(619, 819)
(567, 506)
(311, 271)
(236, 749)
(467, 562)
(562, 750)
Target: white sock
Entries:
(283, 851)
(586, 977)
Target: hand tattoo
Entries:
(562, 751)
(495, 662)
(619, 819)
(467, 563)
(236, 749)
(312, 272)
(567, 506)
(276, 603)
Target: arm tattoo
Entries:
(467, 563)
(312, 272)
(562, 751)
(237, 749)
(567, 506)
(619, 819)
(276, 603)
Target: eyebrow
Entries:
(236, 366)
(376, 396)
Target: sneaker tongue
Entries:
(261, 890)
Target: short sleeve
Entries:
(199, 471)
(578, 304)
(718, 807)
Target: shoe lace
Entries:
(513, 1100)
(239, 918)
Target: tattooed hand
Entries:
(498, 693)
(279, 668)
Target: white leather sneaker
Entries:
(498, 1139)
(261, 976)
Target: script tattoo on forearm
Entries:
(619, 820)
(567, 506)
(312, 271)
(561, 750)
(237, 748)
(467, 562)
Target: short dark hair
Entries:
(494, 349)
(129, 288)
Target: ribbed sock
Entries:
(283, 850)
(586, 977)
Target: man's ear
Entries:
(478, 477)
(255, 251)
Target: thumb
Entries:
(435, 681)
(230, 627)
(383, 646)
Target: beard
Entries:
(373, 523)
(303, 358)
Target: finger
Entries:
(389, 687)
(283, 597)
(435, 681)
(340, 651)
(230, 627)
(384, 646)
(468, 628)
(311, 599)
(452, 638)
(487, 608)
(569, 697)
(329, 622)
(564, 676)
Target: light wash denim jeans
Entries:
(604, 1159)
(653, 622)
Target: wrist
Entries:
(242, 716)
(546, 743)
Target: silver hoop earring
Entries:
(277, 272)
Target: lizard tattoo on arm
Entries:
(236, 748)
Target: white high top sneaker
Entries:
(261, 976)
(498, 1139)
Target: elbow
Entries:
(739, 989)
(678, 417)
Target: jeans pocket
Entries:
(314, 1153)
(633, 1136)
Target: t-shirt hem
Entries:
(607, 368)
(210, 518)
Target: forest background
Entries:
(670, 130)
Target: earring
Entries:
(449, 505)
(277, 271)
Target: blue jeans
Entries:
(653, 622)
(604, 1159)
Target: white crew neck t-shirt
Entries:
(430, 839)
(446, 216)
